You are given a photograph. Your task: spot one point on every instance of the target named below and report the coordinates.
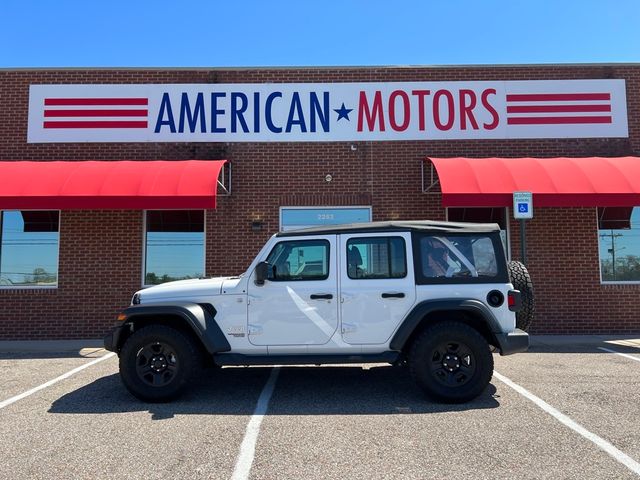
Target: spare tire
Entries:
(521, 280)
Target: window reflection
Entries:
(29, 248)
(174, 245)
(619, 244)
(300, 260)
(379, 257)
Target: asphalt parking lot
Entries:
(567, 410)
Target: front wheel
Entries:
(451, 362)
(157, 362)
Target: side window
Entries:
(299, 260)
(378, 257)
(458, 256)
(619, 245)
(174, 245)
(29, 248)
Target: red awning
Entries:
(554, 182)
(123, 185)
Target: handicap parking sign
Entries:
(522, 205)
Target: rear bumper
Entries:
(112, 339)
(513, 342)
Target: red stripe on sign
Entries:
(557, 108)
(552, 97)
(95, 113)
(102, 124)
(555, 120)
(95, 101)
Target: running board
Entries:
(227, 359)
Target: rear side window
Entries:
(299, 260)
(377, 257)
(451, 258)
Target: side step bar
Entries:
(228, 359)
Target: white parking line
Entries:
(11, 400)
(618, 455)
(248, 447)
(620, 353)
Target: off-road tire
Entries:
(426, 360)
(521, 280)
(157, 363)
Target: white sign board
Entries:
(327, 112)
(522, 205)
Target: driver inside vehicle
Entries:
(436, 259)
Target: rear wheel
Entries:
(157, 362)
(451, 362)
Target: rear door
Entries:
(377, 287)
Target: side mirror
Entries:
(262, 273)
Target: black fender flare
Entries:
(422, 309)
(200, 320)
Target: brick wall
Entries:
(101, 251)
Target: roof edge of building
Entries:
(323, 67)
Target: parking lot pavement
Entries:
(598, 389)
(24, 370)
(325, 422)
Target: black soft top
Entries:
(395, 226)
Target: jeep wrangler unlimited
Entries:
(433, 295)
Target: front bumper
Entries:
(513, 342)
(112, 339)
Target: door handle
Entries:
(392, 295)
(321, 296)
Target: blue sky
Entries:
(70, 33)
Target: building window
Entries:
(619, 244)
(299, 260)
(292, 218)
(375, 258)
(29, 244)
(174, 245)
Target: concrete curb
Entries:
(583, 340)
(48, 346)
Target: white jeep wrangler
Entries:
(434, 295)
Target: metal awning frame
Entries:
(433, 181)
(224, 180)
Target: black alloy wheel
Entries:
(157, 362)
(451, 362)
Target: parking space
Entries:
(598, 389)
(20, 370)
(324, 422)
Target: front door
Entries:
(298, 304)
